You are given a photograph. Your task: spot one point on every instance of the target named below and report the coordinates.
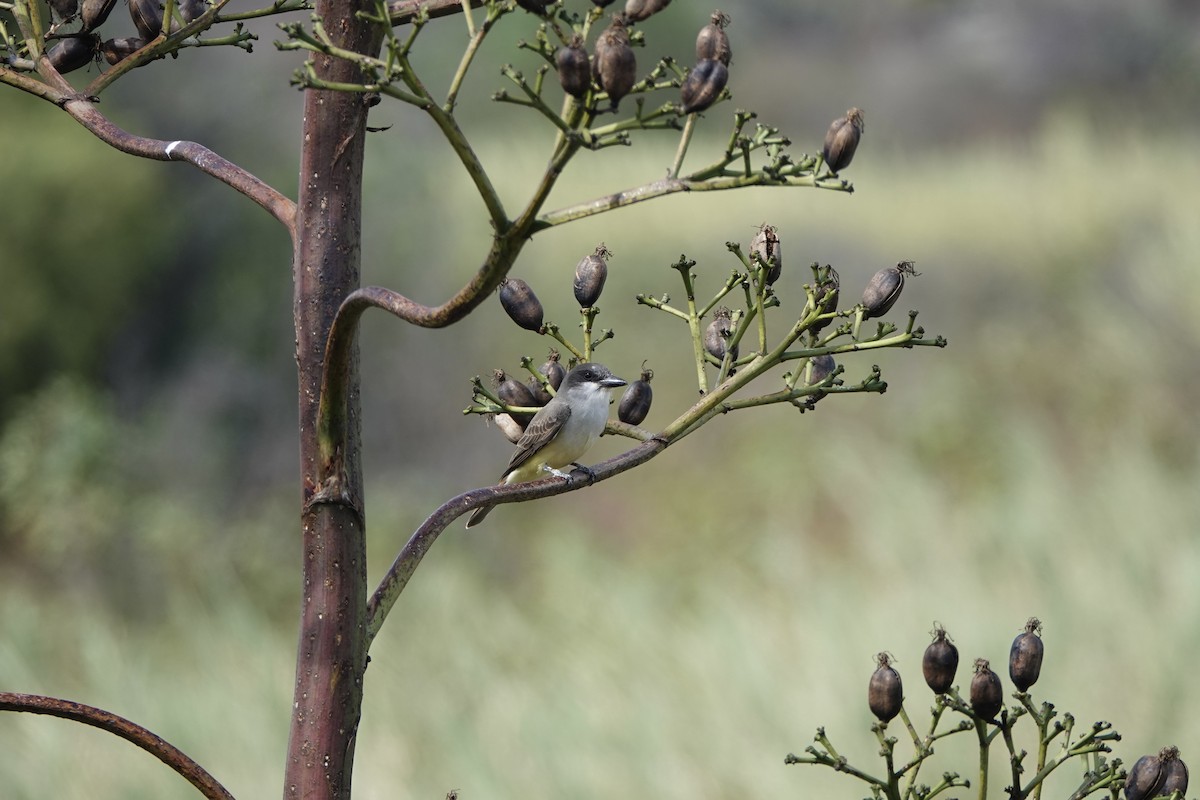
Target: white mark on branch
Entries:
(172, 146)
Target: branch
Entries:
(667, 186)
(131, 732)
(418, 545)
(403, 12)
(331, 418)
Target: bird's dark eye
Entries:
(588, 375)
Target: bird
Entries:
(562, 430)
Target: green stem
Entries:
(550, 329)
(468, 56)
(684, 267)
(276, 8)
(981, 732)
(589, 316)
(684, 140)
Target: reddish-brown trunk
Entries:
(331, 655)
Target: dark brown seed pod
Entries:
(94, 12)
(712, 41)
(521, 304)
(65, 9)
(820, 368)
(884, 289)
(766, 248)
(574, 69)
(73, 52)
(940, 661)
(826, 292)
(514, 393)
(703, 85)
(191, 9)
(1174, 771)
(590, 274)
(534, 6)
(553, 369)
(635, 405)
(885, 693)
(638, 10)
(116, 50)
(987, 695)
(540, 395)
(716, 335)
(1025, 657)
(1144, 778)
(841, 140)
(614, 64)
(148, 18)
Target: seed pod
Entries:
(885, 694)
(884, 289)
(1174, 771)
(511, 429)
(148, 18)
(553, 370)
(534, 6)
(819, 368)
(716, 335)
(602, 3)
(940, 661)
(703, 85)
(72, 52)
(638, 10)
(574, 70)
(765, 246)
(540, 395)
(116, 50)
(94, 12)
(712, 41)
(191, 9)
(987, 695)
(635, 405)
(521, 304)
(1025, 657)
(614, 64)
(65, 9)
(514, 393)
(841, 140)
(828, 289)
(1144, 778)
(590, 274)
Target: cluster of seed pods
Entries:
(940, 663)
(523, 307)
(73, 51)
(612, 67)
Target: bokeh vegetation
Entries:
(669, 635)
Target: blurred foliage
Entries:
(710, 613)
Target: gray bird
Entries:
(562, 430)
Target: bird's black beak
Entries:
(612, 382)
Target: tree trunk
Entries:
(331, 655)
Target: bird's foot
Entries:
(586, 471)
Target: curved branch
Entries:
(331, 418)
(199, 156)
(418, 545)
(131, 732)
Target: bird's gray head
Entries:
(591, 375)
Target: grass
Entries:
(675, 635)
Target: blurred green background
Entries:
(1036, 160)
